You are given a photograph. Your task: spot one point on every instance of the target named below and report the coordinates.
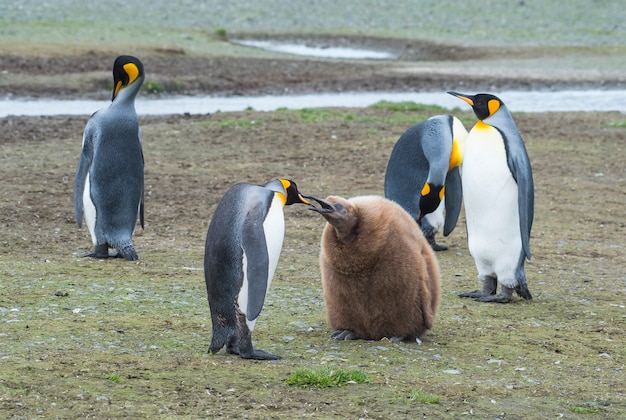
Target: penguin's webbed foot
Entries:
(474, 295)
(434, 245)
(100, 251)
(344, 335)
(253, 355)
(260, 355)
(489, 294)
(500, 298)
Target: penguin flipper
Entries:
(519, 165)
(84, 164)
(141, 205)
(453, 198)
(256, 254)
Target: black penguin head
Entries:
(431, 198)
(126, 70)
(292, 195)
(484, 104)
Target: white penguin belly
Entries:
(89, 210)
(491, 205)
(274, 228)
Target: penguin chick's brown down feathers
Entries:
(379, 274)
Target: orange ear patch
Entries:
(493, 105)
(132, 71)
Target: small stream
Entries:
(516, 101)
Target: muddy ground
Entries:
(113, 339)
(85, 73)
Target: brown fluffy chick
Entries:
(380, 277)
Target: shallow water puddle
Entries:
(316, 51)
(516, 101)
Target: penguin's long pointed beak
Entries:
(325, 208)
(463, 97)
(303, 199)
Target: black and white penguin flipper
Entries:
(518, 162)
(257, 259)
(453, 199)
(242, 249)
(84, 163)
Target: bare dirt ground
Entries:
(114, 339)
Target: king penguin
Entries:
(423, 174)
(498, 193)
(242, 248)
(109, 184)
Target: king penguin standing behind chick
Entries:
(109, 184)
(423, 174)
(498, 194)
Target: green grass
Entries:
(418, 397)
(409, 106)
(72, 327)
(617, 124)
(326, 377)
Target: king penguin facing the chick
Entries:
(498, 193)
(242, 248)
(423, 174)
(109, 182)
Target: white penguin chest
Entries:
(274, 228)
(489, 192)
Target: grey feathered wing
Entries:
(255, 250)
(84, 164)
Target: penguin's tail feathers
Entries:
(127, 250)
(219, 337)
(523, 291)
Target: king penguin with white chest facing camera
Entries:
(243, 244)
(498, 195)
(109, 182)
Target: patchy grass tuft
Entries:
(326, 377)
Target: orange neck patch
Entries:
(455, 157)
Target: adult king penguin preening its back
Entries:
(108, 187)
(423, 174)
(243, 244)
(498, 194)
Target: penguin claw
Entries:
(344, 335)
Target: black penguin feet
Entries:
(488, 294)
(344, 335)
(434, 245)
(474, 295)
(500, 298)
(100, 251)
(260, 355)
(253, 354)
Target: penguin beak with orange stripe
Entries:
(484, 105)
